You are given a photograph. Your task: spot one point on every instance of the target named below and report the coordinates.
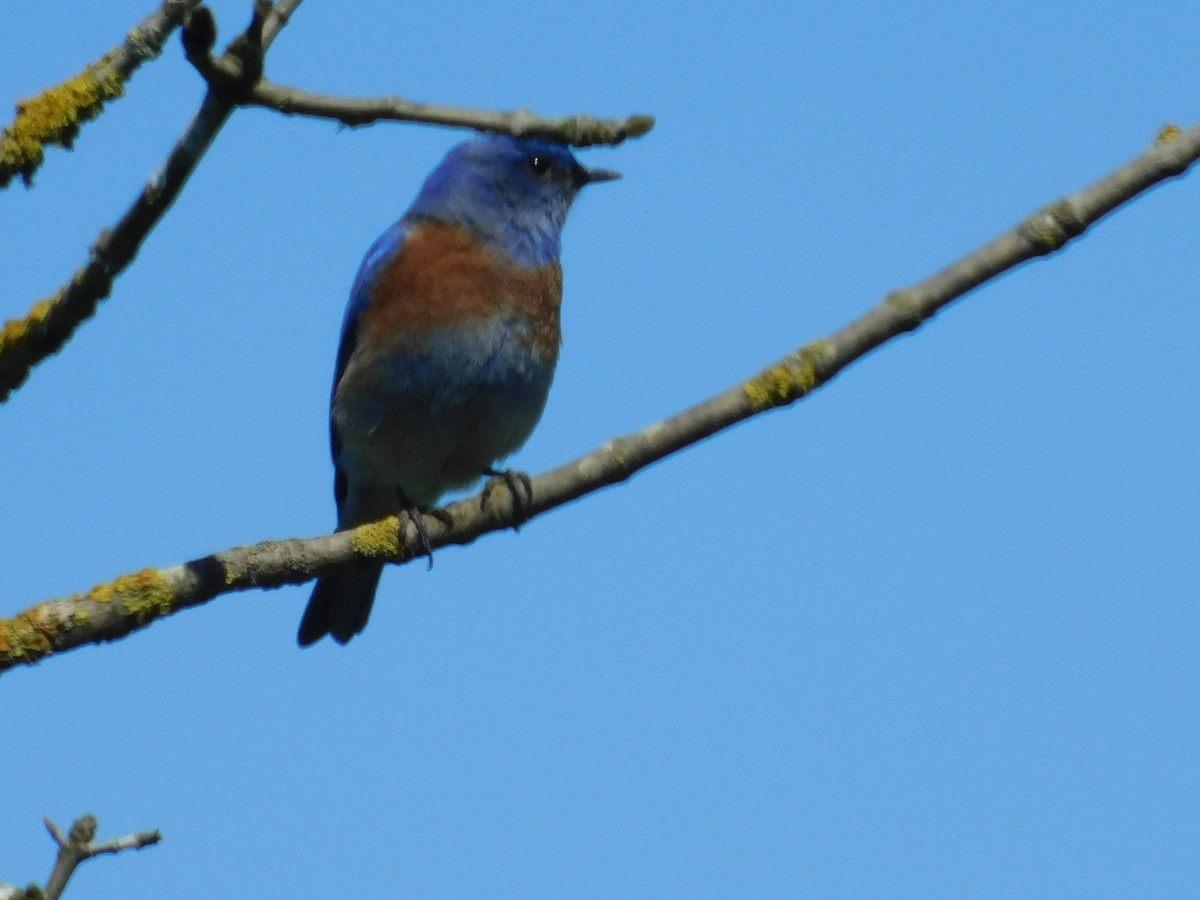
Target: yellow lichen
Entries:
(1168, 133)
(102, 593)
(145, 595)
(377, 539)
(787, 380)
(54, 117)
(20, 637)
(16, 330)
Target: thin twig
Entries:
(230, 75)
(26, 341)
(113, 610)
(76, 847)
(277, 20)
(579, 131)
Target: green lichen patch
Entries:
(22, 639)
(16, 331)
(146, 595)
(1168, 133)
(54, 118)
(787, 380)
(377, 539)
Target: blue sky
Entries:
(932, 632)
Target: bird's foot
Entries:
(519, 485)
(416, 515)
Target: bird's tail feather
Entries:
(340, 603)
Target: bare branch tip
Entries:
(639, 124)
(55, 832)
(136, 841)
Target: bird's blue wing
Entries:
(382, 251)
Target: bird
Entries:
(448, 347)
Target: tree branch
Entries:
(579, 131)
(113, 610)
(234, 78)
(238, 78)
(74, 848)
(77, 846)
(26, 341)
(280, 15)
(55, 116)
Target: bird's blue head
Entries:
(512, 194)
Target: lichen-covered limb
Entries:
(75, 847)
(26, 341)
(235, 79)
(1173, 152)
(53, 118)
(134, 601)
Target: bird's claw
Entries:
(416, 515)
(520, 487)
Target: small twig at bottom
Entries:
(77, 845)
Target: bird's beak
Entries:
(591, 176)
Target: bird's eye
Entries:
(539, 165)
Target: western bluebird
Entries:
(448, 346)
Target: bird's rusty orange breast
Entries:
(443, 277)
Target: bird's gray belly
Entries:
(433, 418)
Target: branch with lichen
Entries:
(54, 117)
(42, 332)
(74, 847)
(132, 602)
(234, 79)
